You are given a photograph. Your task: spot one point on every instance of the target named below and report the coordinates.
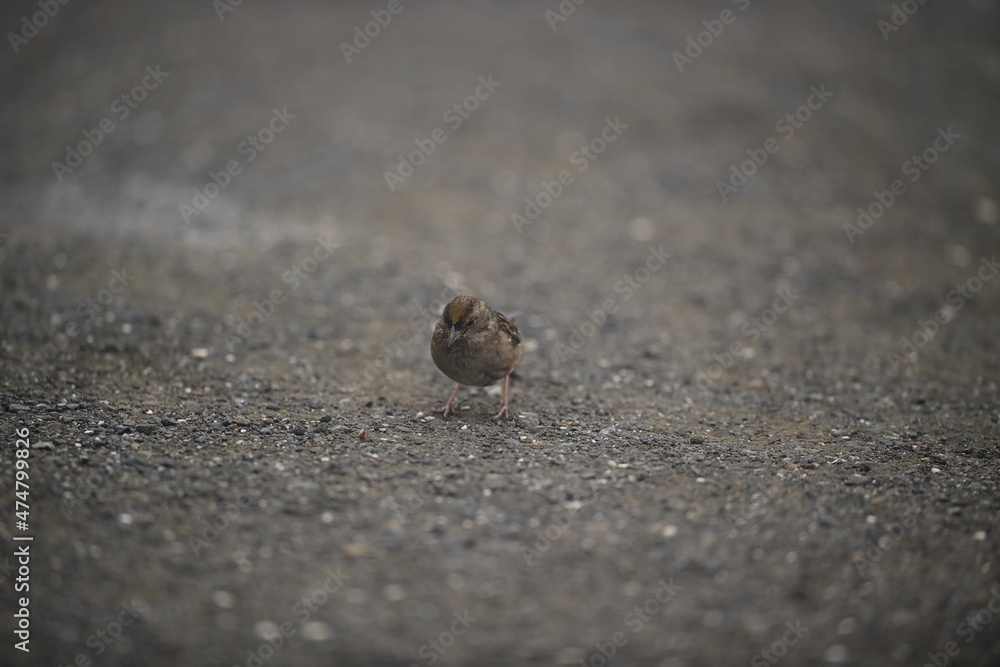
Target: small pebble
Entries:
(356, 549)
(266, 629)
(837, 653)
(394, 593)
(317, 631)
(223, 599)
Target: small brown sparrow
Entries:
(474, 344)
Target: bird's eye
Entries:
(469, 322)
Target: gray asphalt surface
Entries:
(752, 250)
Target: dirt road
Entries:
(753, 252)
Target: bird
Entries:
(474, 344)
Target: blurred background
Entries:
(212, 195)
(696, 106)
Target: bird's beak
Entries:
(452, 336)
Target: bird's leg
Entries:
(504, 412)
(448, 408)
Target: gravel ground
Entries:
(755, 425)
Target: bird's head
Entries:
(460, 315)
